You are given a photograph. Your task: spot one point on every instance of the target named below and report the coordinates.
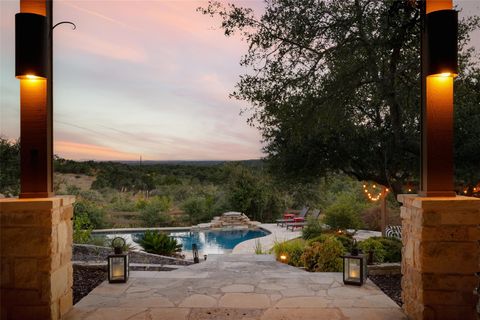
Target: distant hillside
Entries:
(199, 163)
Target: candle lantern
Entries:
(195, 253)
(118, 265)
(354, 267)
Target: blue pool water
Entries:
(208, 242)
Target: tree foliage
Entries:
(9, 167)
(334, 86)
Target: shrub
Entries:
(82, 228)
(198, 208)
(313, 228)
(94, 212)
(292, 249)
(346, 241)
(123, 203)
(392, 248)
(374, 245)
(159, 243)
(344, 212)
(154, 212)
(324, 256)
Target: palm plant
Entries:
(159, 243)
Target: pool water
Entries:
(208, 242)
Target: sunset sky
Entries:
(141, 78)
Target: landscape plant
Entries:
(312, 229)
(159, 243)
(392, 248)
(375, 246)
(344, 212)
(154, 214)
(292, 250)
(323, 256)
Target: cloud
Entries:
(80, 151)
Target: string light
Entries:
(374, 195)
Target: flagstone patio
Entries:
(236, 286)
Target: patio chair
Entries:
(303, 223)
(290, 217)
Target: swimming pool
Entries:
(208, 241)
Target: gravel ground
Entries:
(390, 285)
(85, 279)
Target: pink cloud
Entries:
(81, 151)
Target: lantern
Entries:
(118, 267)
(195, 253)
(354, 267)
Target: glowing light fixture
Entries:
(442, 43)
(31, 46)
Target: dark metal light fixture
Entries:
(195, 253)
(31, 53)
(354, 267)
(118, 265)
(441, 43)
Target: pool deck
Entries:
(276, 234)
(236, 286)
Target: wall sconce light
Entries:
(442, 43)
(118, 265)
(31, 46)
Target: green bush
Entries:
(313, 228)
(82, 228)
(344, 212)
(123, 203)
(94, 212)
(159, 243)
(199, 208)
(346, 241)
(154, 212)
(392, 248)
(374, 245)
(293, 251)
(324, 256)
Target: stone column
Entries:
(440, 256)
(36, 253)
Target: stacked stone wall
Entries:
(440, 256)
(36, 254)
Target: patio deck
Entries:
(236, 286)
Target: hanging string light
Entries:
(375, 193)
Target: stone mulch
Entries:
(391, 285)
(85, 279)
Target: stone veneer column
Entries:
(440, 255)
(36, 253)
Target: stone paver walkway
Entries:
(245, 287)
(277, 234)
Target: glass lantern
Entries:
(354, 269)
(118, 268)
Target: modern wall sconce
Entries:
(31, 34)
(441, 43)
